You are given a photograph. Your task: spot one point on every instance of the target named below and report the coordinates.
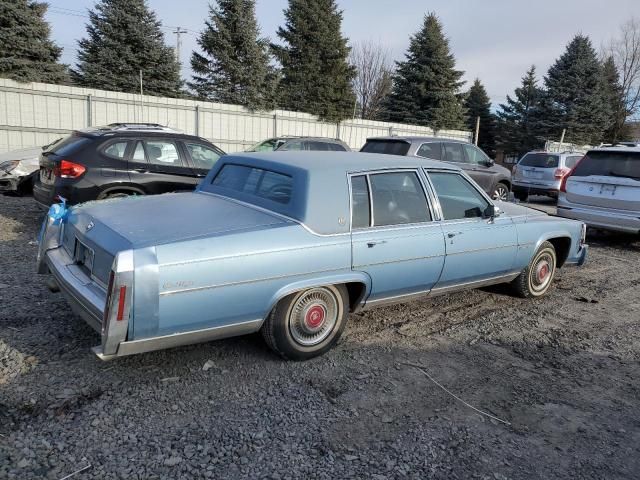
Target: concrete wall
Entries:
(34, 114)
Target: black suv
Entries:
(122, 159)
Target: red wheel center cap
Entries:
(544, 270)
(314, 316)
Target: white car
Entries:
(18, 168)
(603, 190)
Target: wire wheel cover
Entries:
(313, 316)
(541, 272)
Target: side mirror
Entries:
(490, 163)
(491, 212)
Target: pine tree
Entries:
(26, 52)
(575, 97)
(617, 130)
(478, 104)
(517, 129)
(124, 37)
(316, 74)
(426, 85)
(235, 65)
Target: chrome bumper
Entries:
(84, 296)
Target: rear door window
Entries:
(610, 164)
(138, 153)
(294, 145)
(391, 147)
(319, 146)
(256, 182)
(163, 153)
(398, 198)
(540, 160)
(430, 150)
(453, 152)
(360, 208)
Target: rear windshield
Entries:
(610, 164)
(255, 182)
(391, 147)
(67, 145)
(540, 160)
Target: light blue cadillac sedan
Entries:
(288, 244)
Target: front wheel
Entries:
(501, 192)
(306, 324)
(536, 279)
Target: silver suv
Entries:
(540, 173)
(604, 189)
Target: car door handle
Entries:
(453, 234)
(141, 170)
(374, 243)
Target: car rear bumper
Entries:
(535, 188)
(598, 217)
(86, 298)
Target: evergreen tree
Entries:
(478, 104)
(426, 84)
(316, 74)
(235, 65)
(575, 97)
(517, 129)
(26, 52)
(124, 38)
(617, 128)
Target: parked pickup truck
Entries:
(288, 244)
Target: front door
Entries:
(477, 248)
(479, 167)
(394, 238)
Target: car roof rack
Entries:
(144, 127)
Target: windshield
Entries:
(540, 160)
(609, 164)
(391, 147)
(267, 145)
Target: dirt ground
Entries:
(563, 371)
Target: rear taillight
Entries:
(563, 183)
(561, 172)
(67, 169)
(119, 303)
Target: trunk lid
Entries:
(609, 179)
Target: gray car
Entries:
(493, 179)
(541, 173)
(287, 143)
(18, 170)
(604, 190)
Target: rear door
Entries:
(608, 179)
(159, 166)
(394, 237)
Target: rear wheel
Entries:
(536, 279)
(308, 323)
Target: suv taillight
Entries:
(561, 172)
(67, 169)
(563, 183)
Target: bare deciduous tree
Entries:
(625, 50)
(373, 78)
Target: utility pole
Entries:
(179, 31)
(141, 100)
(477, 131)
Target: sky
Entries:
(493, 40)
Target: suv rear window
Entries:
(540, 160)
(67, 145)
(256, 182)
(391, 147)
(609, 164)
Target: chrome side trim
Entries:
(178, 339)
(243, 282)
(475, 284)
(405, 297)
(474, 250)
(427, 257)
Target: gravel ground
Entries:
(562, 371)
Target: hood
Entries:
(22, 154)
(514, 210)
(160, 219)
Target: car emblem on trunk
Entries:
(90, 225)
